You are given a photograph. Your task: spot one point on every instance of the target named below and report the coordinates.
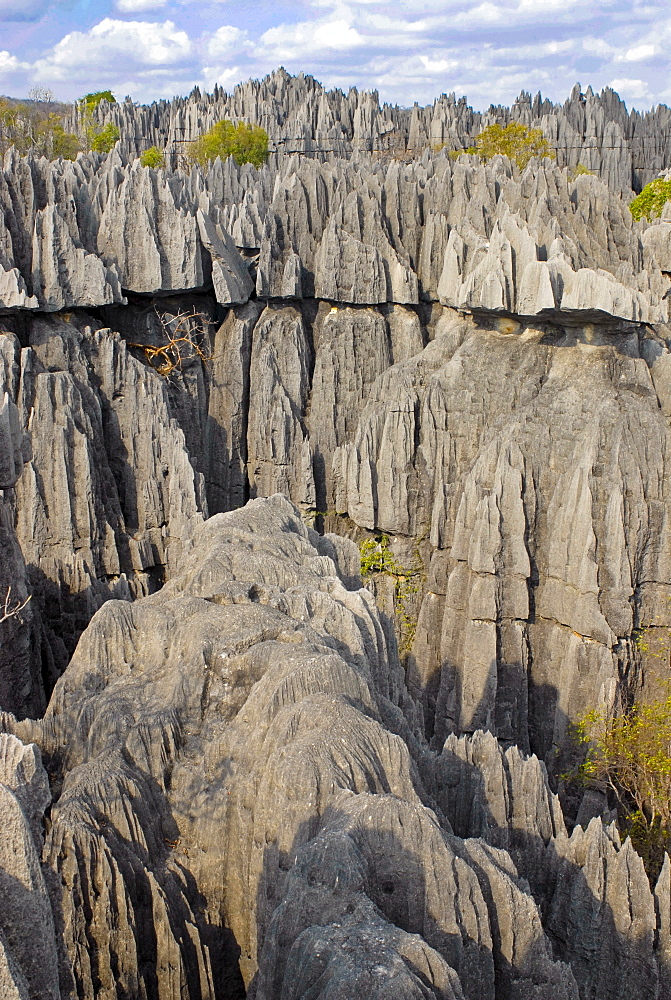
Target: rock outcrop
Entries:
(29, 959)
(242, 802)
(626, 149)
(265, 779)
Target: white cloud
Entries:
(639, 53)
(407, 49)
(112, 45)
(139, 6)
(630, 89)
(226, 77)
(434, 66)
(309, 39)
(10, 64)
(226, 40)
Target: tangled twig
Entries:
(11, 610)
(184, 342)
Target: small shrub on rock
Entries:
(245, 143)
(649, 204)
(515, 141)
(152, 157)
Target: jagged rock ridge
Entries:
(252, 791)
(263, 782)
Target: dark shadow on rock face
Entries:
(149, 897)
(593, 897)
(63, 615)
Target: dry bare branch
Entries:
(10, 609)
(184, 335)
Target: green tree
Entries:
(96, 137)
(91, 101)
(515, 140)
(65, 144)
(152, 157)
(650, 203)
(103, 139)
(246, 143)
(629, 754)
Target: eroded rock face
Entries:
(99, 494)
(596, 130)
(242, 802)
(252, 792)
(29, 965)
(540, 562)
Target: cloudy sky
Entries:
(409, 50)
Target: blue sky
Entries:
(409, 50)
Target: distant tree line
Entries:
(36, 126)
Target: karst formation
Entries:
(237, 759)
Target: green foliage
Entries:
(98, 138)
(65, 144)
(152, 157)
(515, 140)
(377, 558)
(650, 203)
(246, 143)
(579, 171)
(91, 101)
(630, 754)
(103, 140)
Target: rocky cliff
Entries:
(627, 149)
(266, 779)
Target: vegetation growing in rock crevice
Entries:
(514, 140)
(649, 204)
(629, 755)
(185, 341)
(98, 138)
(152, 157)
(245, 143)
(580, 170)
(11, 608)
(378, 559)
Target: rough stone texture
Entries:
(28, 950)
(279, 457)
(242, 802)
(251, 792)
(542, 560)
(624, 148)
(354, 230)
(105, 502)
(230, 277)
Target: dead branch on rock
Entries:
(10, 609)
(184, 335)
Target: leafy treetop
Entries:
(102, 140)
(246, 143)
(515, 140)
(651, 201)
(91, 101)
(630, 754)
(152, 157)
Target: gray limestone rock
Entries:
(151, 238)
(235, 807)
(28, 951)
(253, 792)
(230, 277)
(105, 504)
